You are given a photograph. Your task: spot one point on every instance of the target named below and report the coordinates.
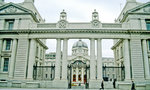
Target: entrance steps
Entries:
(50, 89)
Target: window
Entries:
(74, 78)
(9, 24)
(121, 52)
(41, 54)
(6, 62)
(37, 49)
(149, 66)
(8, 44)
(46, 75)
(149, 44)
(148, 26)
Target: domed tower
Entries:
(80, 48)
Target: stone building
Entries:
(22, 47)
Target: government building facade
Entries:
(23, 63)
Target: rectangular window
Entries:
(149, 44)
(6, 64)
(121, 52)
(148, 26)
(8, 44)
(9, 24)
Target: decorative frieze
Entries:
(11, 9)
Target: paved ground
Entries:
(48, 89)
(41, 89)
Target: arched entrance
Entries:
(78, 73)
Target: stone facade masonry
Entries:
(23, 35)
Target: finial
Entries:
(95, 15)
(63, 15)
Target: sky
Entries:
(80, 11)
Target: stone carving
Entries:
(11, 9)
(62, 24)
(95, 23)
(147, 9)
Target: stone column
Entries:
(77, 74)
(31, 59)
(99, 60)
(82, 75)
(146, 62)
(58, 59)
(64, 61)
(127, 60)
(92, 60)
(1, 48)
(13, 58)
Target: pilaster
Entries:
(31, 59)
(13, 58)
(1, 47)
(127, 59)
(146, 62)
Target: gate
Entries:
(111, 73)
(43, 72)
(86, 76)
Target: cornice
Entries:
(32, 31)
(41, 43)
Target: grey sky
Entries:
(80, 11)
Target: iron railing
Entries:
(112, 72)
(43, 72)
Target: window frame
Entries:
(3, 63)
(8, 44)
(9, 24)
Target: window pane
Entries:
(8, 44)
(6, 62)
(148, 26)
(149, 44)
(10, 25)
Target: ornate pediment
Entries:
(144, 8)
(12, 8)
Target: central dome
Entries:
(79, 43)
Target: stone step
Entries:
(51, 89)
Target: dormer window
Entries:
(9, 24)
